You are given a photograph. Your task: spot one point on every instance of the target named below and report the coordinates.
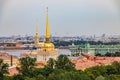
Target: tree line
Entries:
(108, 54)
(60, 69)
(79, 42)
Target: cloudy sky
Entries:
(66, 17)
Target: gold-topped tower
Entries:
(47, 37)
(46, 49)
(37, 35)
(47, 45)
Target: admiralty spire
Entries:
(47, 37)
(45, 49)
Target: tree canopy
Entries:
(3, 69)
(27, 66)
(60, 69)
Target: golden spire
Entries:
(37, 26)
(37, 35)
(47, 27)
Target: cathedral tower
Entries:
(37, 35)
(46, 49)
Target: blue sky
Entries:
(66, 17)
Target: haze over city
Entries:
(66, 17)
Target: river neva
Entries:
(18, 52)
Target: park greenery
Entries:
(60, 69)
(82, 42)
(108, 54)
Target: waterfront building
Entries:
(46, 49)
(94, 49)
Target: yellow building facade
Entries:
(46, 49)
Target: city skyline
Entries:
(74, 17)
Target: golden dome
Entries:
(47, 46)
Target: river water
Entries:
(18, 52)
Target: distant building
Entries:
(11, 44)
(94, 49)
